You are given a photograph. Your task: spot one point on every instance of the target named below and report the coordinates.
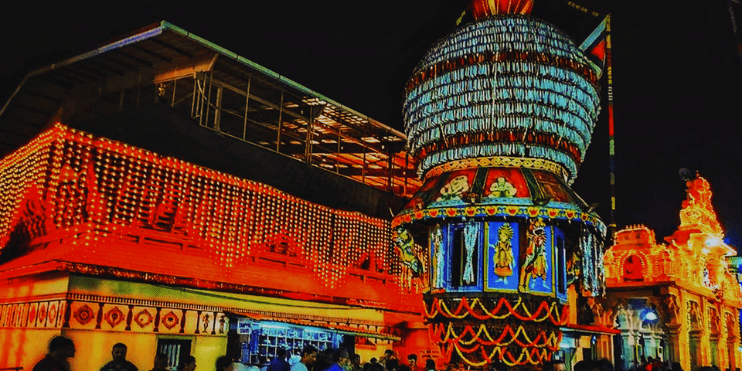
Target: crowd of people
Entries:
(61, 349)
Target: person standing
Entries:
(340, 360)
(161, 362)
(279, 364)
(60, 348)
(412, 362)
(187, 363)
(119, 362)
(355, 363)
(308, 356)
(224, 363)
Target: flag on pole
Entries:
(596, 46)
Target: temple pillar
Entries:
(629, 351)
(676, 351)
(714, 356)
(696, 349)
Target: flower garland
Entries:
(533, 356)
(446, 334)
(519, 310)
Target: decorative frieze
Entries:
(114, 314)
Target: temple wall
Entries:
(23, 347)
(24, 287)
(94, 348)
(207, 298)
(27, 326)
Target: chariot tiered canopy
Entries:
(500, 114)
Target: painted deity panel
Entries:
(505, 183)
(456, 187)
(503, 249)
(537, 263)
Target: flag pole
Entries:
(611, 131)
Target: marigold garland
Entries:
(446, 334)
(533, 356)
(551, 311)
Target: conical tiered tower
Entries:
(499, 114)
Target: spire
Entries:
(485, 8)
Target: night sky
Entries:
(677, 75)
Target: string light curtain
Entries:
(69, 184)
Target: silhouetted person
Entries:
(584, 365)
(412, 362)
(324, 360)
(556, 365)
(161, 362)
(60, 348)
(340, 360)
(224, 363)
(279, 364)
(119, 362)
(605, 365)
(187, 363)
(356, 362)
(430, 365)
(388, 354)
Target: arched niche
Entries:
(633, 268)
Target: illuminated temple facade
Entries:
(678, 300)
(166, 193)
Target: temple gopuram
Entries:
(679, 300)
(500, 114)
(166, 193)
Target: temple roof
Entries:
(160, 55)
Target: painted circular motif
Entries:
(84, 314)
(114, 316)
(170, 320)
(143, 318)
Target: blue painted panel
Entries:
(537, 264)
(501, 262)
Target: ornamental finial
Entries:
(485, 8)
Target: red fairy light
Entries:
(95, 191)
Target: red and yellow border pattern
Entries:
(498, 161)
(409, 216)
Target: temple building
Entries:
(166, 193)
(500, 113)
(679, 300)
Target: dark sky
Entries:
(677, 75)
